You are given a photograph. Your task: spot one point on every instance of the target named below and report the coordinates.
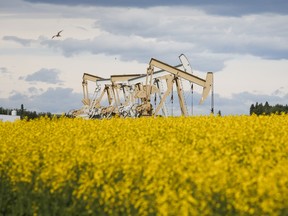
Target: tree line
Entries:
(258, 109)
(266, 109)
(25, 114)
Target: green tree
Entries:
(267, 109)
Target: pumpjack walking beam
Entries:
(206, 84)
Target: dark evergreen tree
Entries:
(252, 109)
(219, 113)
(267, 109)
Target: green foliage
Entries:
(266, 109)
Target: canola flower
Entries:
(205, 165)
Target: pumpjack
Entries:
(130, 95)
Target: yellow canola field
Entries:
(205, 165)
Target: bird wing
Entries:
(57, 35)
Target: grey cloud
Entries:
(33, 90)
(22, 41)
(240, 103)
(128, 47)
(16, 96)
(217, 7)
(3, 70)
(58, 100)
(263, 36)
(54, 100)
(164, 33)
(209, 41)
(281, 92)
(45, 75)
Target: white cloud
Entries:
(253, 75)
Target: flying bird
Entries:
(58, 34)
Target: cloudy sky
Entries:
(245, 44)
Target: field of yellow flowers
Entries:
(204, 165)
